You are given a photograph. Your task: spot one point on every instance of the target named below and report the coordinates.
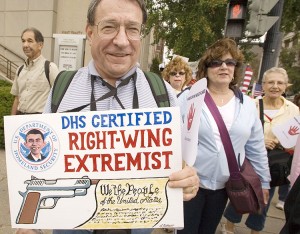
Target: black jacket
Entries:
(292, 210)
(30, 157)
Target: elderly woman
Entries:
(221, 66)
(178, 73)
(277, 110)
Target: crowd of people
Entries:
(34, 78)
(114, 34)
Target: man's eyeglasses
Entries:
(218, 63)
(175, 73)
(110, 29)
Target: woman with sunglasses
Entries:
(178, 73)
(221, 66)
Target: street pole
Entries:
(272, 42)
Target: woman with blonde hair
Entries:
(276, 111)
(178, 73)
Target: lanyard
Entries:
(268, 117)
(112, 92)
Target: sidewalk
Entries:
(274, 223)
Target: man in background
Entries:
(34, 78)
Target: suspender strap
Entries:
(112, 92)
(261, 111)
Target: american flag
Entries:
(257, 90)
(247, 79)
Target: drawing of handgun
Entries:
(38, 191)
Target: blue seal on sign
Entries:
(35, 146)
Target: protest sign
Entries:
(94, 170)
(190, 130)
(288, 132)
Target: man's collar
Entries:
(27, 62)
(36, 158)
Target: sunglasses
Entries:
(218, 63)
(175, 73)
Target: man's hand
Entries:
(187, 179)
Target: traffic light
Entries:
(259, 21)
(235, 18)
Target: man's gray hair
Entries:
(94, 3)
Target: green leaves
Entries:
(288, 61)
(6, 101)
(291, 16)
(189, 26)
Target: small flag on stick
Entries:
(257, 90)
(247, 79)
